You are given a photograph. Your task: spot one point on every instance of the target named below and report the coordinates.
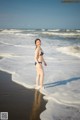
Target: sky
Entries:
(39, 14)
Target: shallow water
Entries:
(62, 75)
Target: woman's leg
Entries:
(37, 79)
(41, 77)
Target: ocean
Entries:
(62, 73)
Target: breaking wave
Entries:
(70, 50)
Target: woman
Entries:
(38, 62)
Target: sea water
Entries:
(62, 73)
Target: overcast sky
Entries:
(39, 14)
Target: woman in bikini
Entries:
(38, 63)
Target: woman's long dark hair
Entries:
(36, 41)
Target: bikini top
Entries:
(41, 53)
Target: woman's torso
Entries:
(40, 55)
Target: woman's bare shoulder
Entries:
(38, 48)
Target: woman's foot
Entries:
(42, 89)
(37, 87)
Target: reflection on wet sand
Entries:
(36, 106)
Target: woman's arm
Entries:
(44, 61)
(36, 55)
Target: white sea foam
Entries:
(20, 33)
(63, 34)
(60, 112)
(5, 55)
(25, 35)
(62, 75)
(11, 31)
(54, 30)
(78, 30)
(70, 50)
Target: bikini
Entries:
(40, 55)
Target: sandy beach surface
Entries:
(19, 102)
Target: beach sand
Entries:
(20, 103)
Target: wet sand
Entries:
(20, 103)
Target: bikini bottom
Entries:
(38, 62)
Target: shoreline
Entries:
(20, 103)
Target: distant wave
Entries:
(70, 50)
(65, 33)
(64, 30)
(62, 34)
(33, 30)
(10, 31)
(28, 34)
(22, 33)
